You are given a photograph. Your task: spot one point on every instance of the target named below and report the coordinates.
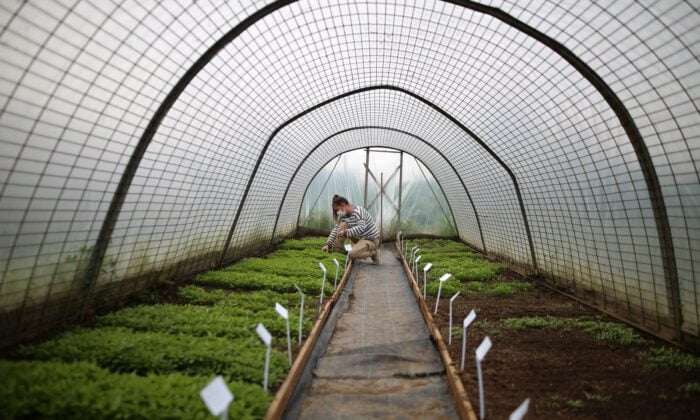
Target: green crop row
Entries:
(465, 265)
(290, 266)
(613, 332)
(257, 301)
(498, 288)
(32, 389)
(253, 301)
(124, 350)
(218, 321)
(303, 244)
(438, 245)
(673, 358)
(245, 280)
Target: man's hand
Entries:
(325, 248)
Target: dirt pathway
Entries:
(380, 362)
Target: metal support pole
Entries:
(366, 175)
(398, 227)
(381, 206)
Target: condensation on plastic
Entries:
(81, 80)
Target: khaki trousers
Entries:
(362, 248)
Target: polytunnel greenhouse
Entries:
(168, 172)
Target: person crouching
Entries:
(353, 222)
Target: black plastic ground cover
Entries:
(374, 357)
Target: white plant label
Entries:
(282, 311)
(323, 267)
(285, 314)
(428, 267)
(264, 334)
(483, 348)
(418, 258)
(348, 247)
(452, 299)
(442, 280)
(480, 354)
(520, 412)
(469, 319)
(301, 311)
(467, 322)
(267, 339)
(216, 396)
(337, 267)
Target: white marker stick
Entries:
(348, 248)
(481, 351)
(285, 314)
(266, 338)
(415, 268)
(520, 412)
(452, 299)
(413, 253)
(217, 397)
(337, 267)
(467, 322)
(442, 280)
(425, 274)
(301, 311)
(323, 284)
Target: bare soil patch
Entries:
(566, 373)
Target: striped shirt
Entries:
(361, 226)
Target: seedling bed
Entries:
(175, 334)
(571, 360)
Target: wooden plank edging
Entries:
(284, 393)
(459, 394)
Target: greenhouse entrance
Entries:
(396, 188)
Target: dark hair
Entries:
(338, 201)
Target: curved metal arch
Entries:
(444, 113)
(92, 269)
(626, 120)
(663, 226)
(427, 143)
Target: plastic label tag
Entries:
(483, 348)
(264, 334)
(216, 396)
(520, 412)
(282, 311)
(469, 319)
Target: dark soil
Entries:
(566, 374)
